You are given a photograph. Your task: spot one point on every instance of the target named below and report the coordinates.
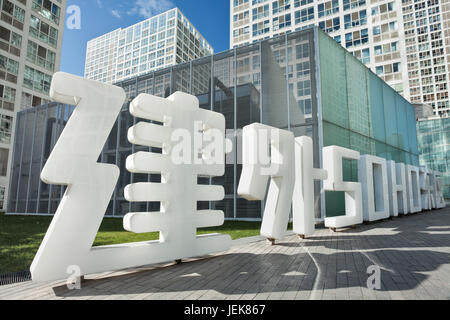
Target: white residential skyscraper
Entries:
(31, 34)
(405, 42)
(160, 41)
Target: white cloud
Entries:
(99, 3)
(116, 13)
(148, 8)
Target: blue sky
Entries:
(211, 18)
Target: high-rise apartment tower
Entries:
(160, 41)
(31, 34)
(405, 42)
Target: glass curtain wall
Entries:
(224, 79)
(303, 82)
(38, 131)
(434, 146)
(361, 112)
(272, 82)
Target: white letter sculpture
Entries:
(332, 158)
(373, 177)
(426, 188)
(402, 194)
(303, 199)
(73, 162)
(280, 166)
(413, 188)
(438, 191)
(179, 192)
(393, 188)
(292, 179)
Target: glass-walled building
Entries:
(303, 82)
(434, 146)
(163, 40)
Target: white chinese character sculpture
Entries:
(258, 139)
(73, 162)
(291, 173)
(374, 179)
(179, 166)
(332, 162)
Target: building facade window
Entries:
(41, 56)
(5, 128)
(355, 19)
(4, 154)
(386, 48)
(383, 8)
(281, 22)
(2, 197)
(356, 38)
(12, 14)
(330, 25)
(43, 31)
(299, 3)
(280, 6)
(241, 16)
(363, 55)
(30, 100)
(388, 68)
(7, 97)
(261, 28)
(9, 69)
(47, 9)
(36, 80)
(304, 15)
(237, 3)
(10, 41)
(351, 4)
(261, 12)
(328, 8)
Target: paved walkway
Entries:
(413, 253)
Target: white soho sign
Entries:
(193, 144)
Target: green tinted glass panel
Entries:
(350, 170)
(390, 111)
(335, 136)
(274, 85)
(380, 150)
(402, 124)
(333, 81)
(335, 203)
(412, 130)
(361, 112)
(363, 144)
(404, 157)
(415, 160)
(408, 158)
(376, 107)
(357, 96)
(393, 154)
(434, 146)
